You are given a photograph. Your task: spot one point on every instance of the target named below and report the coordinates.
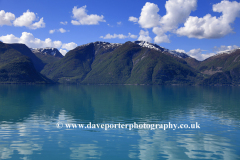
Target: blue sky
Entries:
(199, 28)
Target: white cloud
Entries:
(39, 24)
(161, 36)
(119, 23)
(27, 20)
(58, 30)
(120, 36)
(209, 26)
(62, 30)
(69, 46)
(6, 18)
(180, 50)
(149, 16)
(52, 31)
(177, 12)
(10, 38)
(64, 23)
(57, 44)
(30, 41)
(197, 54)
(133, 19)
(144, 36)
(132, 36)
(63, 51)
(224, 48)
(109, 36)
(82, 18)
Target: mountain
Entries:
(47, 51)
(23, 49)
(137, 62)
(47, 55)
(161, 49)
(222, 69)
(74, 65)
(129, 63)
(17, 67)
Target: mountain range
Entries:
(137, 62)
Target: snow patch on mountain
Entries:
(225, 52)
(107, 45)
(47, 51)
(162, 49)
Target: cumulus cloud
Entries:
(177, 11)
(58, 30)
(52, 31)
(149, 16)
(69, 46)
(133, 19)
(161, 36)
(198, 54)
(62, 30)
(144, 36)
(27, 20)
(6, 18)
(132, 36)
(82, 18)
(109, 36)
(224, 48)
(120, 36)
(30, 41)
(64, 23)
(210, 26)
(180, 50)
(10, 38)
(63, 51)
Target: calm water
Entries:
(29, 114)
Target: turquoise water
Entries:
(33, 122)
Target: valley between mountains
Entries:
(137, 62)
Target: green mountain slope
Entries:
(17, 68)
(223, 69)
(152, 67)
(107, 63)
(120, 64)
(23, 49)
(113, 67)
(47, 55)
(73, 67)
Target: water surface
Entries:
(29, 114)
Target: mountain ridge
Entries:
(136, 62)
(119, 64)
(18, 67)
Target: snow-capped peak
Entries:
(225, 52)
(149, 45)
(107, 44)
(162, 49)
(47, 51)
